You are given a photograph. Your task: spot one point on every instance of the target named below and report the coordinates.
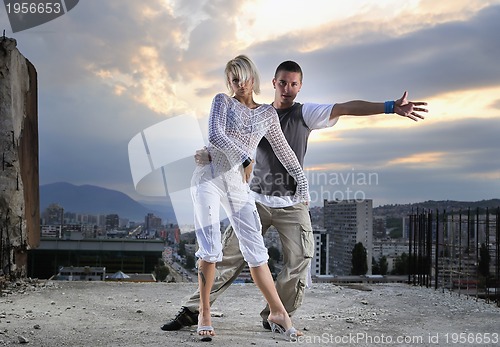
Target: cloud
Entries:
(496, 104)
(110, 69)
(436, 59)
(446, 160)
(132, 47)
(379, 146)
(84, 136)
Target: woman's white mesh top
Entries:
(234, 132)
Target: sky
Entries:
(108, 70)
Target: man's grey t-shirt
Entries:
(271, 183)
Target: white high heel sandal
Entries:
(289, 334)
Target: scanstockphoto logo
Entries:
(162, 162)
(28, 14)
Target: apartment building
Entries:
(348, 222)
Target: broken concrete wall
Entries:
(19, 183)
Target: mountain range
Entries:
(401, 210)
(89, 199)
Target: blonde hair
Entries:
(244, 69)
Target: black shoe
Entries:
(184, 318)
(266, 325)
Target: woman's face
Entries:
(240, 88)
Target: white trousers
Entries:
(229, 191)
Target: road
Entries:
(180, 274)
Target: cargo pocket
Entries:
(307, 242)
(300, 294)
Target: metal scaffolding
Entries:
(456, 251)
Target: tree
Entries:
(272, 267)
(395, 227)
(383, 265)
(380, 267)
(375, 267)
(274, 253)
(190, 262)
(401, 265)
(182, 249)
(359, 262)
(161, 271)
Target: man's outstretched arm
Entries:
(402, 107)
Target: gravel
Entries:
(51, 313)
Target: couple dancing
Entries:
(236, 126)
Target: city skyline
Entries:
(67, 204)
(109, 70)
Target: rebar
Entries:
(442, 255)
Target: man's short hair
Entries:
(289, 66)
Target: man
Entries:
(274, 190)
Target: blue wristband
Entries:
(389, 106)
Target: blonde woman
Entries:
(236, 125)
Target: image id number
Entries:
(33, 8)
(472, 338)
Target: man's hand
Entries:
(202, 157)
(406, 108)
(247, 171)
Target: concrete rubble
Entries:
(49, 313)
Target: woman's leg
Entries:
(206, 201)
(245, 220)
(226, 271)
(206, 273)
(264, 281)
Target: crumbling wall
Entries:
(19, 183)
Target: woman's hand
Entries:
(202, 157)
(302, 195)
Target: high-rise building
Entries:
(348, 222)
(53, 215)
(320, 261)
(112, 221)
(152, 223)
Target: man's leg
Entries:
(294, 227)
(225, 273)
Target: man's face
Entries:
(287, 85)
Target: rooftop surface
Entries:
(50, 313)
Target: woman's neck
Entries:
(247, 101)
